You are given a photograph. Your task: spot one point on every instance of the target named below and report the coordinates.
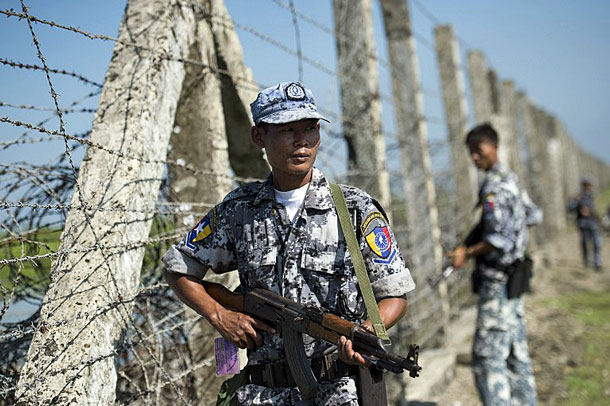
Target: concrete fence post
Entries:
(525, 125)
(88, 304)
(512, 135)
(200, 141)
(496, 104)
(570, 173)
(541, 138)
(454, 99)
(479, 87)
(424, 251)
(238, 90)
(555, 176)
(529, 119)
(499, 120)
(360, 101)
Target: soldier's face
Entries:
(291, 148)
(484, 155)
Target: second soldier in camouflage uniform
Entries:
(588, 223)
(283, 235)
(501, 362)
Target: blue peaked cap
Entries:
(284, 103)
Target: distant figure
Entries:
(588, 222)
(501, 362)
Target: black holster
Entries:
(476, 280)
(519, 275)
(371, 387)
(474, 237)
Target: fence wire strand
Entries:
(154, 358)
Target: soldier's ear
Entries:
(256, 133)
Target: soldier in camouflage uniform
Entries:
(501, 363)
(283, 235)
(588, 223)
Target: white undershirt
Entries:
(292, 200)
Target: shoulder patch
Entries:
(203, 229)
(377, 235)
(488, 203)
(374, 218)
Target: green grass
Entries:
(588, 383)
(34, 271)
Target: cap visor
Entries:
(288, 116)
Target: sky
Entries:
(554, 50)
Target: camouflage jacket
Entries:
(584, 200)
(507, 211)
(306, 261)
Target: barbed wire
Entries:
(228, 22)
(180, 164)
(338, 36)
(239, 81)
(56, 71)
(80, 195)
(38, 108)
(59, 206)
(157, 324)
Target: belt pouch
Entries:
(519, 278)
(476, 279)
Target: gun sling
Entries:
(354, 250)
(370, 382)
(278, 375)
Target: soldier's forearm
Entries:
(192, 293)
(480, 248)
(391, 309)
(224, 296)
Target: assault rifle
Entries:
(435, 280)
(293, 319)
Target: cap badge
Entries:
(294, 91)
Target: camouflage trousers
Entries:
(589, 235)
(501, 362)
(341, 392)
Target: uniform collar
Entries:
(497, 170)
(265, 192)
(498, 167)
(318, 194)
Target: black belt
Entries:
(278, 375)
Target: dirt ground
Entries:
(553, 338)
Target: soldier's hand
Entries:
(458, 256)
(242, 330)
(585, 211)
(348, 355)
